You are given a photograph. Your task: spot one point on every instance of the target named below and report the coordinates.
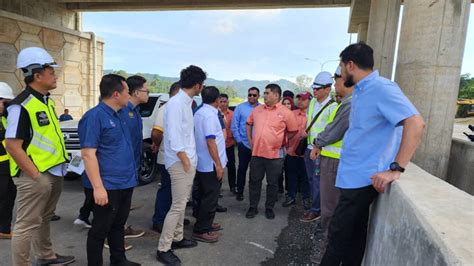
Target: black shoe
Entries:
(125, 263)
(471, 127)
(251, 213)
(233, 190)
(168, 258)
(239, 197)
(269, 214)
(186, 222)
(288, 202)
(220, 208)
(157, 228)
(55, 218)
(59, 260)
(185, 243)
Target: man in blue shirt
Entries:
(110, 166)
(66, 116)
(384, 131)
(238, 127)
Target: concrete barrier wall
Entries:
(421, 220)
(461, 165)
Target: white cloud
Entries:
(224, 25)
(152, 37)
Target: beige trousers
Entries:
(181, 185)
(36, 202)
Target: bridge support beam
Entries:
(431, 48)
(382, 33)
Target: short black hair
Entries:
(191, 76)
(210, 94)
(288, 93)
(109, 84)
(254, 89)
(174, 87)
(134, 83)
(29, 79)
(274, 88)
(223, 95)
(360, 53)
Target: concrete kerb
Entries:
(421, 220)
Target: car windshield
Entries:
(146, 109)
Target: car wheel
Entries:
(148, 167)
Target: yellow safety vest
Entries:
(3, 150)
(46, 148)
(333, 150)
(320, 123)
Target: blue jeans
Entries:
(312, 170)
(163, 197)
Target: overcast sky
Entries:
(228, 45)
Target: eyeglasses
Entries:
(253, 95)
(147, 91)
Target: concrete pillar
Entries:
(382, 33)
(431, 48)
(362, 32)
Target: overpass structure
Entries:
(431, 46)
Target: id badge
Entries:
(42, 118)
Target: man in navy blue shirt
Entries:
(110, 166)
(384, 131)
(66, 116)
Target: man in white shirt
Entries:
(163, 195)
(212, 159)
(180, 161)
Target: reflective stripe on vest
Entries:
(46, 148)
(333, 150)
(320, 123)
(3, 150)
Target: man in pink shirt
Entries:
(266, 127)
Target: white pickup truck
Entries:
(148, 168)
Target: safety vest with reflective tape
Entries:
(333, 150)
(321, 122)
(46, 148)
(3, 151)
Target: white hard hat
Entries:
(34, 57)
(323, 79)
(6, 91)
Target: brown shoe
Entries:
(216, 227)
(129, 232)
(209, 237)
(126, 245)
(310, 217)
(6, 235)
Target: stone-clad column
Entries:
(431, 48)
(362, 32)
(382, 33)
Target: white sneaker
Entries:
(79, 221)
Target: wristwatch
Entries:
(396, 167)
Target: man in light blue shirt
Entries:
(374, 153)
(212, 159)
(238, 127)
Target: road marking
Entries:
(260, 246)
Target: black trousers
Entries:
(208, 188)
(245, 154)
(348, 228)
(7, 198)
(259, 168)
(231, 174)
(109, 222)
(86, 209)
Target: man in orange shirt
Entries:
(267, 127)
(229, 141)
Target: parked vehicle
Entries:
(148, 168)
